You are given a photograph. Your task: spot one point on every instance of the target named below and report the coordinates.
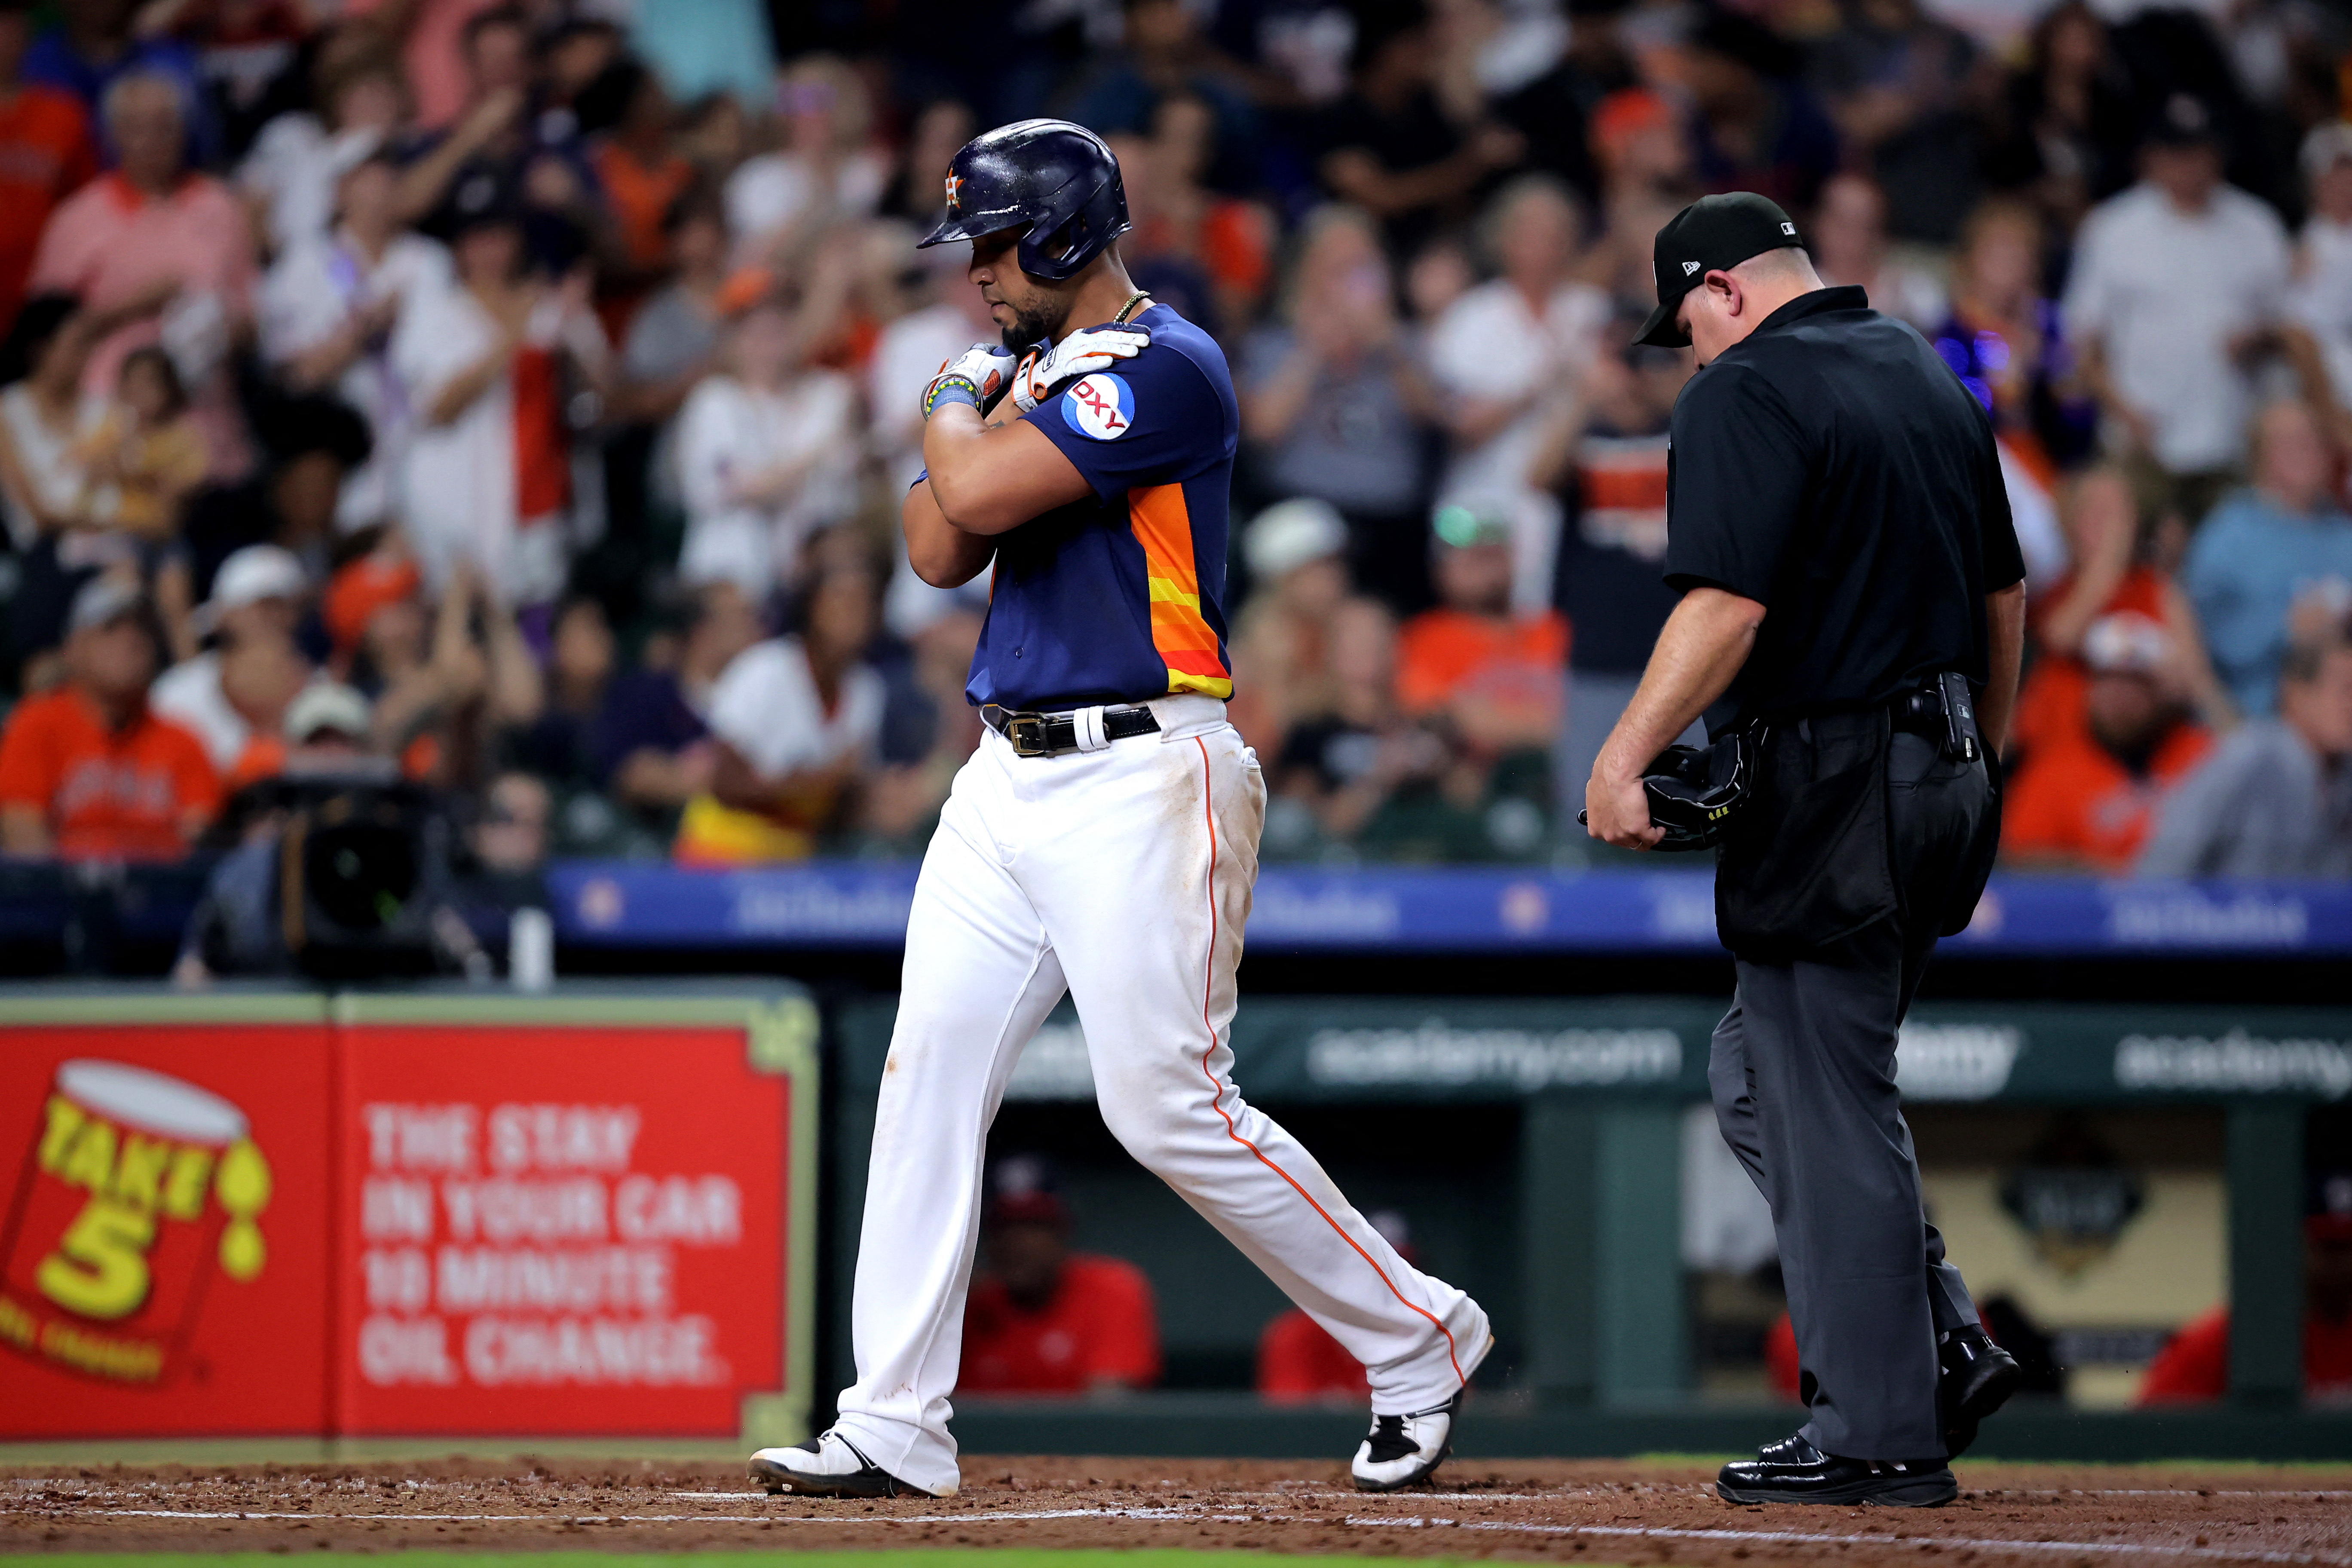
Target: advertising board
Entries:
(411, 1216)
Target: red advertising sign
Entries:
(559, 1231)
(431, 1216)
(163, 1257)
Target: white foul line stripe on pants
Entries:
(1217, 1088)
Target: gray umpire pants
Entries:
(1802, 1076)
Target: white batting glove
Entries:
(979, 375)
(1080, 353)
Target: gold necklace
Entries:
(1128, 308)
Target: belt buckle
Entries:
(1027, 733)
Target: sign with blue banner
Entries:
(1465, 910)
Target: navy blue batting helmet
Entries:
(1056, 181)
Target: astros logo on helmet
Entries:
(1055, 182)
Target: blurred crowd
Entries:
(516, 397)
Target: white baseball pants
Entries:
(1122, 875)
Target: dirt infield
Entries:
(1597, 1511)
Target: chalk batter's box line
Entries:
(1824, 1538)
(1369, 1522)
(1692, 1488)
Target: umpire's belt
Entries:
(1081, 730)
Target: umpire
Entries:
(1851, 591)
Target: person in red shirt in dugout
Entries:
(2194, 1365)
(1043, 1318)
(1299, 1364)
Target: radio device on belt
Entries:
(1960, 741)
(1946, 713)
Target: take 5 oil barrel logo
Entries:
(164, 1191)
(140, 1191)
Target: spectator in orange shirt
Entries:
(642, 178)
(87, 772)
(2195, 1366)
(1230, 239)
(1297, 1360)
(45, 154)
(1492, 677)
(2087, 795)
(1043, 1318)
(2108, 576)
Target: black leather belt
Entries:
(1051, 734)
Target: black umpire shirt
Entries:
(1833, 468)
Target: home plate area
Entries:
(1634, 1511)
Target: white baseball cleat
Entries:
(830, 1467)
(1404, 1450)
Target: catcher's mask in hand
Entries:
(1694, 791)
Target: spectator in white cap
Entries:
(1297, 554)
(329, 729)
(237, 689)
(2323, 261)
(2086, 795)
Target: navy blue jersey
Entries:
(1118, 597)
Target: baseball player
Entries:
(1102, 840)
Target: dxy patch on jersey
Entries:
(1102, 406)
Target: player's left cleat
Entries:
(1975, 1378)
(830, 1467)
(1405, 1450)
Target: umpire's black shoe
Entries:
(1793, 1470)
(1977, 1377)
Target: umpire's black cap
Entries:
(1712, 234)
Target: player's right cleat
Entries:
(1405, 1450)
(830, 1467)
(1975, 1378)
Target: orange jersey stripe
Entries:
(1163, 527)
